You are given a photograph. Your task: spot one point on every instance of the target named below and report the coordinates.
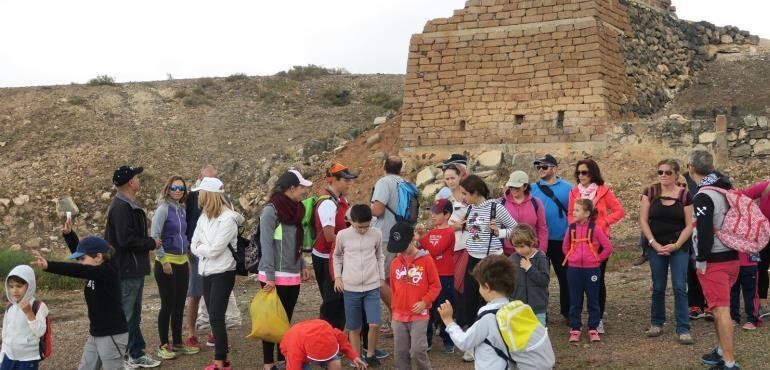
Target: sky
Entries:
(48, 42)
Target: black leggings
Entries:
(762, 266)
(556, 255)
(288, 296)
(332, 308)
(173, 292)
(603, 290)
(472, 297)
(216, 294)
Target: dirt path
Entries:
(624, 346)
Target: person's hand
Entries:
(39, 261)
(419, 307)
(269, 286)
(700, 266)
(167, 268)
(525, 263)
(306, 274)
(360, 364)
(446, 312)
(338, 285)
(25, 306)
(670, 248)
(67, 227)
(493, 227)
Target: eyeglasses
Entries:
(176, 188)
(582, 173)
(668, 173)
(543, 167)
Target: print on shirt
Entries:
(413, 274)
(474, 230)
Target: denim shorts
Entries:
(195, 285)
(355, 302)
(322, 364)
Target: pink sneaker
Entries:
(574, 335)
(593, 336)
(210, 340)
(749, 326)
(213, 366)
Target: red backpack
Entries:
(745, 228)
(46, 341)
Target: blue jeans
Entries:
(584, 281)
(447, 294)
(659, 266)
(132, 308)
(9, 364)
(746, 283)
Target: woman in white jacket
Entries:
(217, 228)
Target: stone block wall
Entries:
(516, 71)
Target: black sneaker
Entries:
(712, 358)
(723, 367)
(373, 361)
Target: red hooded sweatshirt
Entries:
(302, 337)
(413, 279)
(606, 203)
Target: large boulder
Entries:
(490, 160)
(424, 177)
(429, 191)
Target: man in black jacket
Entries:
(127, 232)
(717, 265)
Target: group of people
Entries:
(479, 253)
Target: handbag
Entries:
(461, 264)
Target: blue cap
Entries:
(90, 244)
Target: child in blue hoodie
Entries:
(24, 322)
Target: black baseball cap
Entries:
(401, 235)
(124, 174)
(547, 160)
(454, 159)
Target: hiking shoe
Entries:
(708, 316)
(185, 349)
(574, 335)
(763, 312)
(213, 366)
(468, 356)
(144, 361)
(600, 328)
(449, 348)
(712, 358)
(192, 342)
(696, 313)
(593, 336)
(372, 361)
(379, 354)
(210, 340)
(654, 331)
(640, 260)
(385, 330)
(749, 326)
(723, 366)
(685, 338)
(165, 352)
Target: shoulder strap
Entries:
(550, 194)
(35, 306)
(465, 219)
(683, 197)
(504, 355)
(534, 204)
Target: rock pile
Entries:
(664, 53)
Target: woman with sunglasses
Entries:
(665, 216)
(172, 272)
(590, 185)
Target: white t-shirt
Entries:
(327, 213)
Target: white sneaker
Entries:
(144, 361)
(600, 328)
(468, 356)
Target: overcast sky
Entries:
(45, 42)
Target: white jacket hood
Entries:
(27, 274)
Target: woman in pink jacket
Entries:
(590, 185)
(760, 191)
(525, 209)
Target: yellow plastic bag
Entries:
(268, 317)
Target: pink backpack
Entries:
(745, 228)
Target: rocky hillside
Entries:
(64, 141)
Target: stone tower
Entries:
(517, 72)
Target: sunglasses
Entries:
(668, 173)
(582, 173)
(177, 188)
(543, 167)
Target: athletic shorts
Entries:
(717, 282)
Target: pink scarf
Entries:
(588, 192)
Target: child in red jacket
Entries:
(585, 247)
(315, 341)
(415, 285)
(440, 242)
